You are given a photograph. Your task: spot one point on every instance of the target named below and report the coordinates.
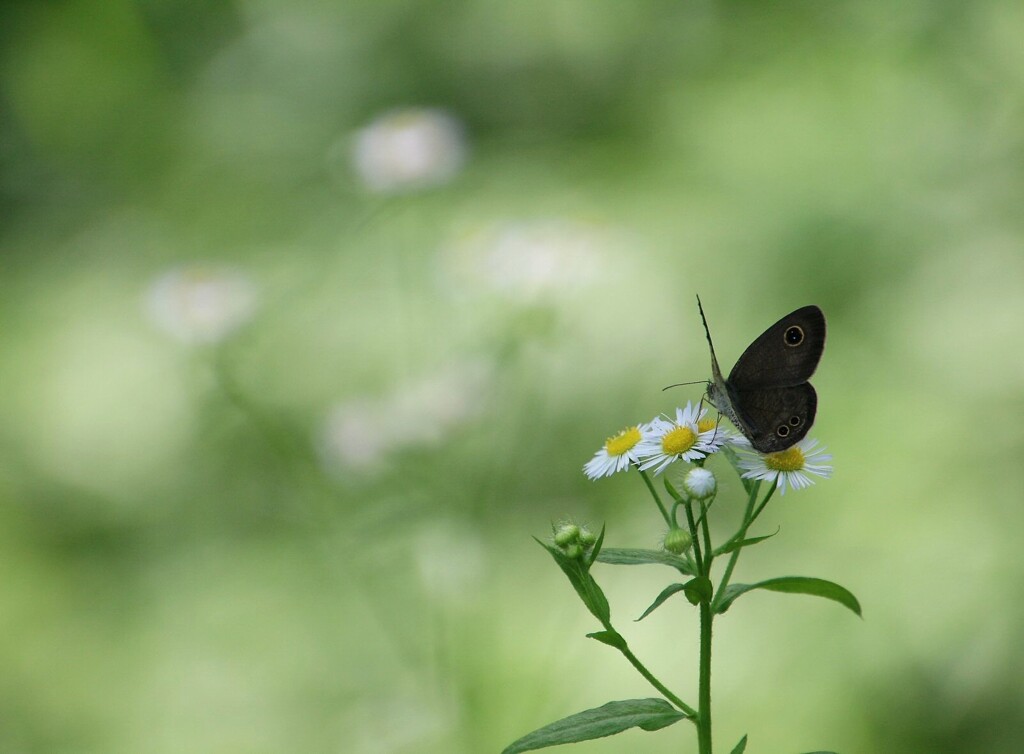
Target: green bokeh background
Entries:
(186, 569)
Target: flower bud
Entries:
(587, 537)
(700, 483)
(573, 551)
(677, 541)
(566, 534)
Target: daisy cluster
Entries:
(691, 436)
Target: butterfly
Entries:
(768, 396)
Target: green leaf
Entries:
(665, 594)
(735, 544)
(607, 720)
(579, 576)
(627, 556)
(698, 589)
(741, 746)
(793, 585)
(672, 491)
(611, 638)
(596, 550)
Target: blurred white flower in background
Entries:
(409, 149)
(526, 259)
(362, 432)
(356, 435)
(201, 303)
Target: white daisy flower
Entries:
(677, 439)
(789, 467)
(617, 453)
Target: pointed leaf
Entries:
(741, 746)
(665, 594)
(793, 585)
(736, 544)
(596, 550)
(611, 638)
(579, 576)
(629, 556)
(607, 720)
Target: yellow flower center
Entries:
(790, 459)
(622, 442)
(679, 440)
(705, 424)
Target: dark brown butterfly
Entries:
(768, 396)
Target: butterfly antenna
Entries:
(680, 384)
(716, 372)
(704, 319)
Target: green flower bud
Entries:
(566, 534)
(573, 551)
(587, 537)
(677, 541)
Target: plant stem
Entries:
(707, 616)
(704, 683)
(709, 553)
(657, 498)
(693, 536)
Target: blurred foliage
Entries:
(305, 525)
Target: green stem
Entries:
(704, 682)
(657, 498)
(706, 618)
(693, 536)
(709, 553)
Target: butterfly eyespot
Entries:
(782, 430)
(794, 421)
(794, 336)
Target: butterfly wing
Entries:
(775, 418)
(784, 355)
